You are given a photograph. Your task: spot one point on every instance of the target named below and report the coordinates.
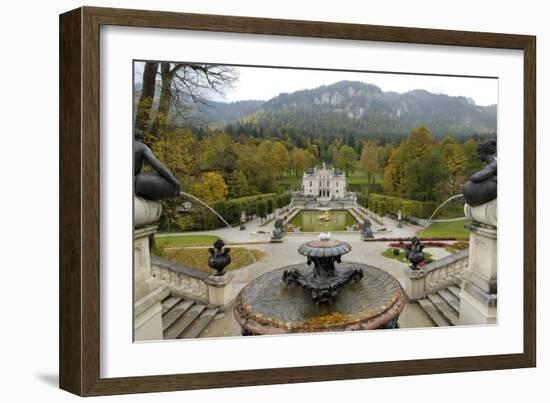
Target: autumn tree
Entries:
(298, 161)
(145, 103)
(218, 154)
(391, 180)
(416, 169)
(175, 150)
(239, 185)
(370, 160)
(425, 178)
(280, 159)
(454, 158)
(346, 159)
(211, 188)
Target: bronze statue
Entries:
(366, 232)
(278, 230)
(151, 186)
(415, 253)
(481, 188)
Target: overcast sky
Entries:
(265, 83)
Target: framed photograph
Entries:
(250, 201)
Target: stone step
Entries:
(175, 313)
(433, 313)
(183, 322)
(199, 324)
(455, 290)
(444, 308)
(451, 299)
(169, 303)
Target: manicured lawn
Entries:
(360, 178)
(401, 256)
(198, 257)
(452, 229)
(185, 240)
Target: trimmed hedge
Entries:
(232, 209)
(408, 207)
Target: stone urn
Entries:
(219, 257)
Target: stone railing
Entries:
(182, 281)
(436, 276)
(190, 283)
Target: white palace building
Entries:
(324, 183)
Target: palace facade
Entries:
(324, 183)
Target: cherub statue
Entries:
(481, 188)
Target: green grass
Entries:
(360, 178)
(198, 257)
(185, 240)
(401, 256)
(452, 229)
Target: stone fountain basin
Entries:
(268, 306)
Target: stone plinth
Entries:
(478, 297)
(146, 211)
(483, 214)
(148, 293)
(219, 289)
(268, 306)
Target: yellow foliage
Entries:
(211, 187)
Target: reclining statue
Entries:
(481, 187)
(152, 186)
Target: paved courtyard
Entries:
(281, 254)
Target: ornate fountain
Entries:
(322, 295)
(325, 217)
(324, 281)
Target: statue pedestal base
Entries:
(148, 293)
(146, 211)
(478, 297)
(219, 290)
(484, 213)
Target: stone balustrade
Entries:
(191, 283)
(436, 276)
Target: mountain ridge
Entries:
(353, 108)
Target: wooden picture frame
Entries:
(80, 198)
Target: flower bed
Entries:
(403, 239)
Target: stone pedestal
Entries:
(219, 290)
(146, 211)
(148, 293)
(478, 297)
(414, 284)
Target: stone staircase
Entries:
(442, 306)
(185, 319)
